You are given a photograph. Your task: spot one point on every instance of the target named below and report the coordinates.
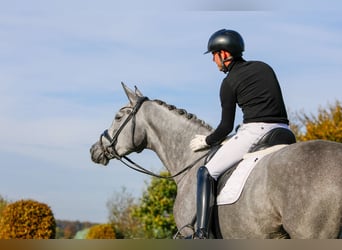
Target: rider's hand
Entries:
(198, 143)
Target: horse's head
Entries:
(123, 136)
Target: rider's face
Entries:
(217, 59)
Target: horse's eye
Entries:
(118, 117)
(122, 113)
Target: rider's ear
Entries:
(132, 97)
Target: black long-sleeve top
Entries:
(253, 86)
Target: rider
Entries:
(253, 86)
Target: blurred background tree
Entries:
(156, 208)
(326, 125)
(101, 231)
(27, 219)
(121, 206)
(67, 229)
(3, 204)
(149, 217)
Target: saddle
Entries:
(274, 137)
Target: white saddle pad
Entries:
(232, 190)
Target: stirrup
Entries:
(200, 234)
(179, 235)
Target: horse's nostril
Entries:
(97, 154)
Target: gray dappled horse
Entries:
(295, 192)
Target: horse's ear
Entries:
(137, 91)
(132, 97)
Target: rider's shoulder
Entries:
(257, 65)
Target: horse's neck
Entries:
(169, 135)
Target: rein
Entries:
(130, 163)
(140, 169)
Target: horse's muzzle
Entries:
(98, 155)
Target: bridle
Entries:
(113, 141)
(131, 164)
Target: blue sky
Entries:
(61, 64)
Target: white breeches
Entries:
(236, 147)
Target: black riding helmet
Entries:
(228, 40)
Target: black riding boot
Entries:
(205, 202)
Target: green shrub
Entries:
(102, 231)
(27, 219)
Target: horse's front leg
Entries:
(184, 209)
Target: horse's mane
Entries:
(184, 113)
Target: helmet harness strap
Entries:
(224, 67)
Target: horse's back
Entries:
(296, 190)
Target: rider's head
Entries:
(225, 45)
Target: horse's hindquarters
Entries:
(295, 192)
